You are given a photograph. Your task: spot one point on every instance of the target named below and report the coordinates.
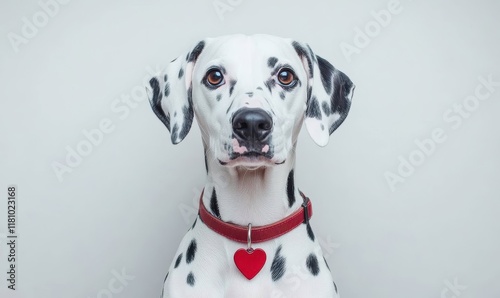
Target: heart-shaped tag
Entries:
(250, 262)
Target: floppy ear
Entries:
(329, 95)
(170, 94)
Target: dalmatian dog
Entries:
(250, 96)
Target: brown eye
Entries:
(214, 77)
(286, 77)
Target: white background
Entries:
(127, 204)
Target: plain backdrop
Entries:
(126, 205)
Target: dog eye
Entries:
(214, 77)
(286, 77)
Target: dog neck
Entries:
(260, 197)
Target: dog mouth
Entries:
(251, 159)
(250, 155)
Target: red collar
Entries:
(258, 234)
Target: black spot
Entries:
(309, 92)
(312, 264)
(165, 78)
(167, 122)
(326, 70)
(335, 286)
(278, 68)
(175, 132)
(163, 288)
(190, 279)
(340, 101)
(326, 263)
(167, 89)
(326, 109)
(155, 85)
(322, 126)
(156, 102)
(271, 62)
(282, 95)
(290, 189)
(270, 84)
(231, 87)
(194, 223)
(181, 73)
(230, 105)
(206, 162)
(250, 94)
(191, 251)
(278, 266)
(313, 110)
(303, 53)
(311, 54)
(260, 88)
(310, 232)
(196, 51)
(187, 56)
(219, 96)
(175, 114)
(188, 115)
(343, 87)
(214, 206)
(178, 261)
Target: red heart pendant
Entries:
(250, 262)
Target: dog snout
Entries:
(252, 124)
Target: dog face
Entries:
(250, 95)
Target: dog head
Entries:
(250, 95)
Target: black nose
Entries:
(250, 124)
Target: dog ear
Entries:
(329, 95)
(170, 94)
